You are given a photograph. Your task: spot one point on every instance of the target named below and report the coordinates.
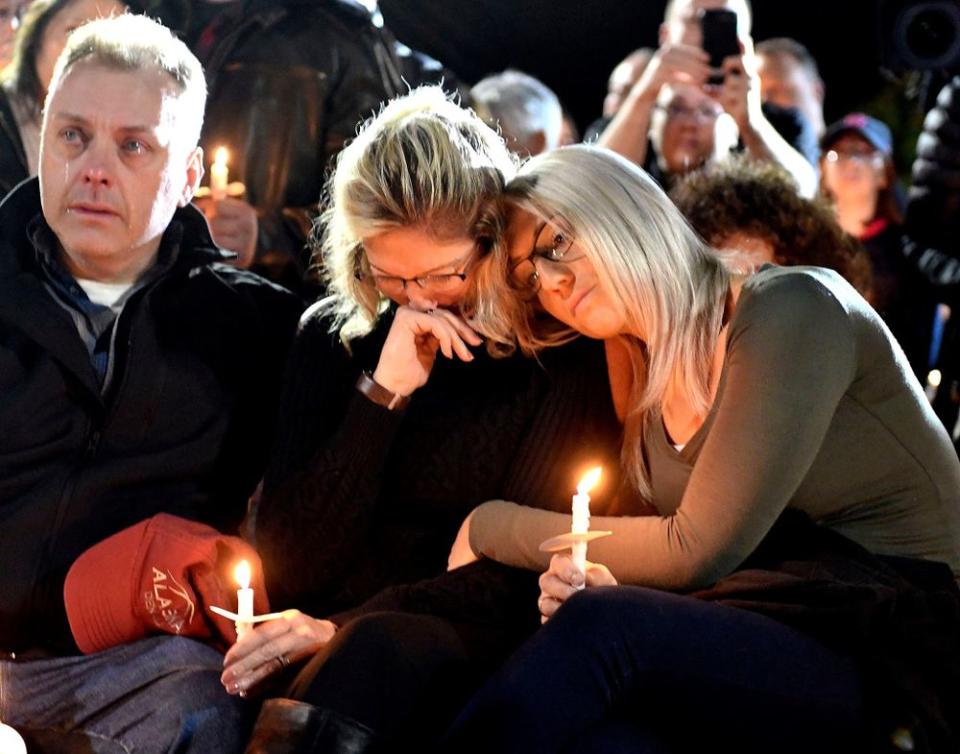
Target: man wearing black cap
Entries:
(136, 370)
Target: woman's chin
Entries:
(599, 325)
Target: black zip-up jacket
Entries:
(183, 427)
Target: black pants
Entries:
(629, 669)
(403, 675)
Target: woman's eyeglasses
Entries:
(394, 285)
(524, 274)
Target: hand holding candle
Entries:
(244, 598)
(245, 618)
(576, 540)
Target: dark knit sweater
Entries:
(359, 499)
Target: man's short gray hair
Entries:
(134, 43)
(522, 106)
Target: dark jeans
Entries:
(629, 669)
(158, 695)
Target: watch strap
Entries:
(379, 394)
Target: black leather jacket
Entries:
(289, 83)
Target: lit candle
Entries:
(580, 523)
(10, 741)
(219, 174)
(244, 598)
(933, 382)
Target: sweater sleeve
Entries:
(573, 428)
(483, 593)
(790, 358)
(324, 478)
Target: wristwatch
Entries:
(379, 394)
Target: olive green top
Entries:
(816, 409)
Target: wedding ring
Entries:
(283, 660)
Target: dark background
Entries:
(572, 45)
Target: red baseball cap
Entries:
(158, 576)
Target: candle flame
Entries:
(242, 574)
(934, 378)
(589, 480)
(221, 156)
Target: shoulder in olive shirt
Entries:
(817, 409)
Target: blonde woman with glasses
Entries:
(396, 422)
(804, 496)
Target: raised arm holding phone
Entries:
(704, 44)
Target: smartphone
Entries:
(719, 29)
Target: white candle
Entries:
(580, 523)
(933, 382)
(244, 598)
(219, 175)
(10, 741)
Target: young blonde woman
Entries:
(788, 451)
(395, 422)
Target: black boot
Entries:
(289, 727)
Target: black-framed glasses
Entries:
(394, 285)
(553, 246)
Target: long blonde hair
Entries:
(669, 285)
(423, 161)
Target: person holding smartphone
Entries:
(705, 45)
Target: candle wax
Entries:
(245, 611)
(581, 514)
(219, 176)
(580, 521)
(580, 524)
(10, 741)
